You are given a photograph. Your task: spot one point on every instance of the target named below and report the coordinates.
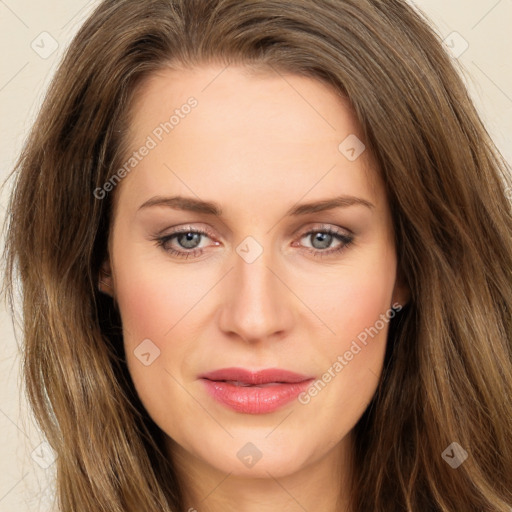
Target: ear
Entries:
(105, 281)
(401, 291)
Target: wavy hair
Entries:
(447, 375)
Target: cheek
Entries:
(351, 299)
(154, 303)
(352, 359)
(367, 296)
(154, 298)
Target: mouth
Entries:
(254, 392)
(246, 384)
(254, 378)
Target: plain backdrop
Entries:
(34, 35)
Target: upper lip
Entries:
(264, 376)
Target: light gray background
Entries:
(30, 29)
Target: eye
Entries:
(186, 242)
(323, 238)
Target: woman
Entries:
(343, 342)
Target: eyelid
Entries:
(343, 235)
(298, 232)
(185, 227)
(328, 227)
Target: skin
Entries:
(256, 144)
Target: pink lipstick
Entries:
(254, 392)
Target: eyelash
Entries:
(342, 237)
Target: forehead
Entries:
(241, 96)
(248, 131)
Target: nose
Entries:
(257, 305)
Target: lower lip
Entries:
(254, 399)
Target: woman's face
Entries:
(295, 271)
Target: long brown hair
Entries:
(447, 375)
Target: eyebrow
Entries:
(210, 208)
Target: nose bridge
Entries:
(254, 279)
(256, 305)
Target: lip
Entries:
(254, 392)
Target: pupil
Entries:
(190, 240)
(324, 239)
